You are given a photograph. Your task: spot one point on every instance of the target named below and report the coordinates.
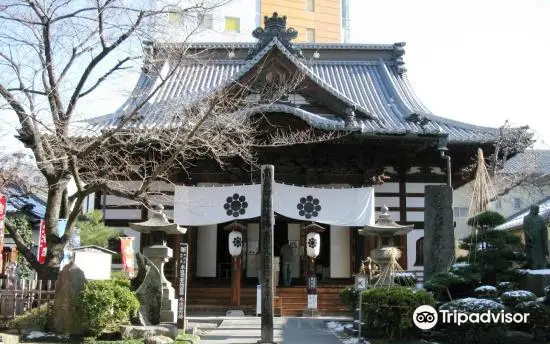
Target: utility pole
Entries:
(267, 222)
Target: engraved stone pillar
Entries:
(439, 240)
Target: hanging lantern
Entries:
(235, 243)
(313, 244)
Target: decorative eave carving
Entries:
(274, 27)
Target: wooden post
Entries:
(267, 221)
(236, 281)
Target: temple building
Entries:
(396, 146)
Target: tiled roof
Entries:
(19, 200)
(373, 86)
(538, 160)
(516, 221)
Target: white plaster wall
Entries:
(122, 214)
(340, 265)
(294, 234)
(412, 237)
(207, 240)
(253, 238)
(387, 187)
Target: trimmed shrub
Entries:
(350, 297)
(496, 255)
(107, 304)
(505, 286)
(538, 321)
(479, 333)
(486, 292)
(460, 281)
(388, 312)
(35, 319)
(512, 298)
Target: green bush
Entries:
(487, 219)
(486, 292)
(388, 312)
(496, 255)
(350, 297)
(107, 304)
(459, 282)
(35, 319)
(538, 321)
(478, 333)
(512, 298)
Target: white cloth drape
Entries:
(200, 206)
(203, 205)
(341, 207)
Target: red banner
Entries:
(42, 247)
(2, 214)
(127, 254)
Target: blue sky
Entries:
(481, 62)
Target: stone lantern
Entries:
(385, 254)
(158, 253)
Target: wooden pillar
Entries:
(236, 281)
(267, 222)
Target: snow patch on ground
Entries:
(36, 334)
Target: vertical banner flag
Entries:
(42, 247)
(128, 255)
(2, 214)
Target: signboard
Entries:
(312, 301)
(258, 299)
(360, 282)
(182, 286)
(42, 247)
(2, 214)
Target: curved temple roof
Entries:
(368, 78)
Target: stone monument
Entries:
(69, 286)
(536, 239)
(158, 227)
(439, 240)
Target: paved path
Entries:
(286, 330)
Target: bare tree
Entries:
(55, 53)
(511, 143)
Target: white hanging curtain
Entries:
(201, 206)
(341, 207)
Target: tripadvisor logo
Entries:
(425, 317)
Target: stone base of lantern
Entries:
(159, 255)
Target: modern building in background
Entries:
(324, 21)
(516, 201)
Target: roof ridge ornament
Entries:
(398, 52)
(274, 27)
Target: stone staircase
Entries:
(217, 300)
